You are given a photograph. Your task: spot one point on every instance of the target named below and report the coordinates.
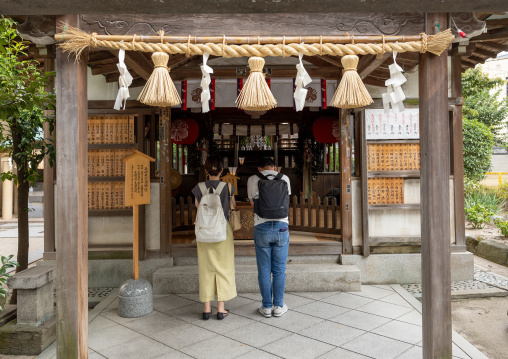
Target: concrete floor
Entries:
(379, 322)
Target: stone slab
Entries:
(7, 314)
(113, 272)
(306, 259)
(19, 339)
(493, 251)
(300, 278)
(33, 277)
(36, 305)
(405, 268)
(472, 244)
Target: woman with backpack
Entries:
(214, 238)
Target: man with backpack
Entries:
(268, 192)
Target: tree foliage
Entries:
(22, 104)
(24, 108)
(478, 143)
(482, 103)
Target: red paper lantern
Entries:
(326, 130)
(184, 131)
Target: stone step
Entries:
(325, 277)
(305, 259)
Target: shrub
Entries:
(503, 226)
(478, 215)
(502, 192)
(6, 264)
(478, 142)
(481, 203)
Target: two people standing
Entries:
(268, 192)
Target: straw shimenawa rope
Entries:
(159, 90)
(76, 41)
(351, 92)
(255, 94)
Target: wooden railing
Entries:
(307, 215)
(314, 215)
(183, 214)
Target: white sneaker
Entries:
(279, 311)
(267, 312)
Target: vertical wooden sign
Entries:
(137, 192)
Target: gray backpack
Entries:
(273, 201)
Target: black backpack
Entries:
(273, 201)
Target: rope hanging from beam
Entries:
(256, 95)
(75, 41)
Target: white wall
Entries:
(394, 222)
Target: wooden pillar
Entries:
(166, 162)
(72, 206)
(345, 183)
(435, 199)
(458, 154)
(361, 156)
(140, 129)
(49, 172)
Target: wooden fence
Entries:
(307, 215)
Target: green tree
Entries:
(482, 103)
(478, 142)
(23, 102)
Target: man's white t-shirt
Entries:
(253, 192)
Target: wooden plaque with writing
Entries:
(137, 179)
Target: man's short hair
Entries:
(266, 162)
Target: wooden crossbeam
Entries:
(139, 64)
(482, 52)
(497, 22)
(496, 46)
(105, 69)
(285, 72)
(496, 34)
(369, 63)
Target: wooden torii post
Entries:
(435, 197)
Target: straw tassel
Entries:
(351, 92)
(255, 94)
(160, 91)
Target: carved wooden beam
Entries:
(262, 24)
(102, 58)
(105, 69)
(374, 81)
(46, 7)
(38, 29)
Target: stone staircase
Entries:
(304, 274)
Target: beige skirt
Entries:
(216, 263)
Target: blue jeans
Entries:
(272, 244)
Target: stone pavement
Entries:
(485, 284)
(9, 239)
(381, 321)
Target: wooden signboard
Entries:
(137, 192)
(137, 179)
(386, 190)
(393, 157)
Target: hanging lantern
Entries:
(184, 131)
(326, 130)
